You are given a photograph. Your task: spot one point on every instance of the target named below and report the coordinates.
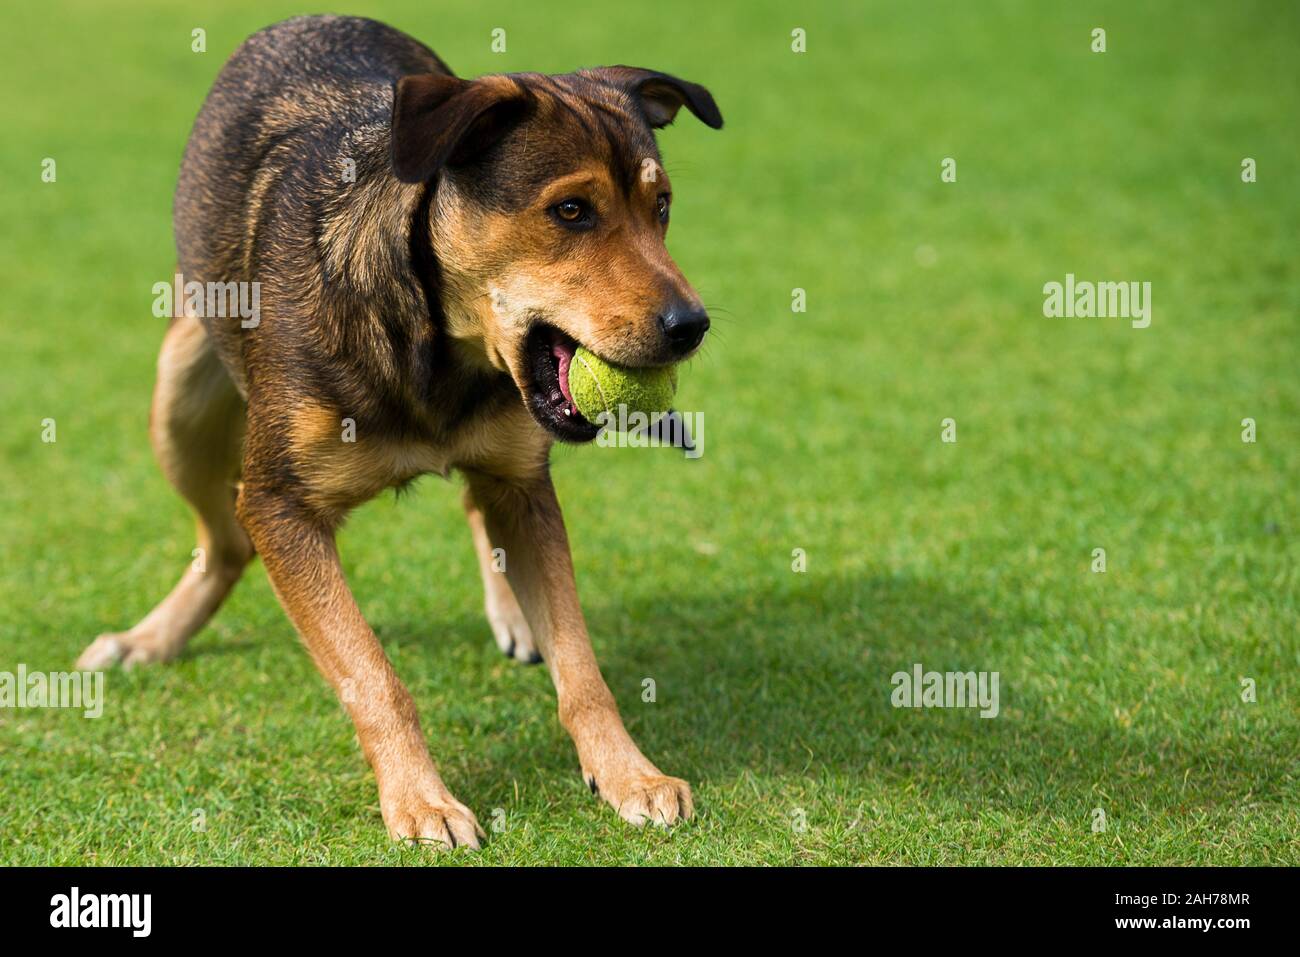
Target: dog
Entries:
(428, 253)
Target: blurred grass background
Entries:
(1120, 691)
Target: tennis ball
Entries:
(597, 387)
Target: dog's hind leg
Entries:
(506, 618)
(196, 425)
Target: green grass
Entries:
(1119, 691)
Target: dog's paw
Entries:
(123, 648)
(511, 631)
(439, 821)
(641, 798)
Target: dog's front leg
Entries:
(523, 518)
(300, 557)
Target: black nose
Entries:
(684, 325)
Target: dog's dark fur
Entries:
(414, 280)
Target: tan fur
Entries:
(509, 624)
(508, 267)
(355, 238)
(338, 475)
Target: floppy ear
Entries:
(661, 95)
(441, 120)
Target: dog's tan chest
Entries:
(341, 466)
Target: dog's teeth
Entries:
(568, 411)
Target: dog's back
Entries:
(295, 103)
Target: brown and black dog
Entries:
(429, 251)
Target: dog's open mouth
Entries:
(548, 352)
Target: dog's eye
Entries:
(573, 213)
(661, 206)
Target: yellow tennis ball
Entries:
(600, 387)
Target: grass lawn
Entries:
(1120, 691)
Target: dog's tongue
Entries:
(563, 353)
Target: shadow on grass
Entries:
(796, 684)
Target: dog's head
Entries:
(547, 220)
